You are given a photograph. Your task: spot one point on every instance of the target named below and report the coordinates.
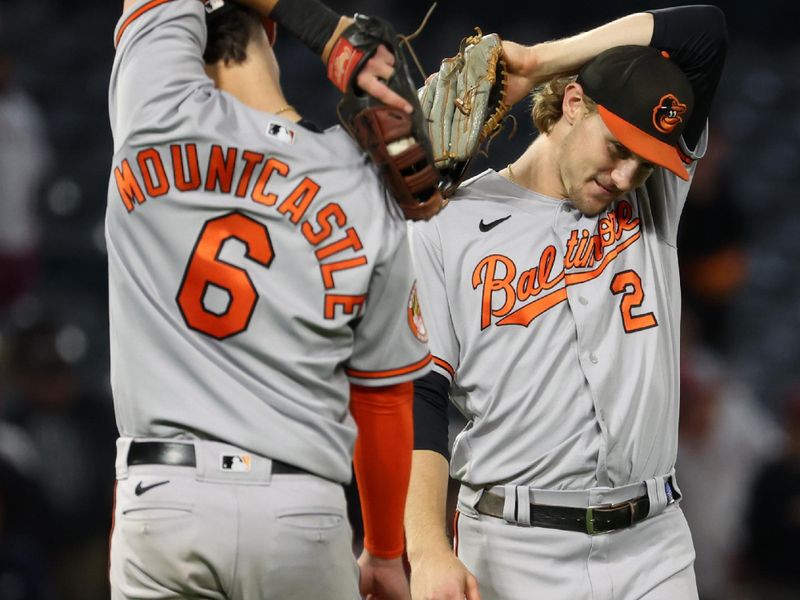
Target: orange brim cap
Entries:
(643, 144)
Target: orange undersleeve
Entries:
(382, 462)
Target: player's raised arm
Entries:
(320, 28)
(159, 60)
(529, 66)
(695, 37)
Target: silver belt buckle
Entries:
(590, 514)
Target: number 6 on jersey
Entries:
(205, 269)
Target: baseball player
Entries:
(553, 307)
(262, 303)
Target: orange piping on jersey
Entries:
(272, 165)
(444, 365)
(325, 226)
(135, 15)
(685, 157)
(348, 303)
(160, 186)
(298, 201)
(351, 240)
(220, 170)
(391, 372)
(251, 159)
(328, 269)
(127, 186)
(193, 182)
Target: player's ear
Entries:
(572, 105)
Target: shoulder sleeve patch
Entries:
(415, 321)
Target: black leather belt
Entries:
(591, 520)
(178, 454)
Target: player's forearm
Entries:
(311, 21)
(382, 462)
(426, 505)
(568, 55)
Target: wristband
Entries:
(310, 21)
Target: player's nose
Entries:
(625, 173)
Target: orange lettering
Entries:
(160, 186)
(485, 273)
(298, 201)
(546, 262)
(351, 240)
(325, 226)
(220, 170)
(270, 166)
(526, 286)
(349, 304)
(571, 255)
(127, 186)
(606, 232)
(251, 159)
(328, 269)
(624, 213)
(181, 182)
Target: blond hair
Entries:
(548, 100)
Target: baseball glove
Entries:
(464, 104)
(396, 141)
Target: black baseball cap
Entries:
(644, 99)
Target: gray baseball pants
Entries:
(235, 533)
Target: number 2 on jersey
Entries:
(206, 269)
(629, 284)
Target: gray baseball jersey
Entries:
(558, 331)
(256, 267)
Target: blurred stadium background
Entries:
(739, 462)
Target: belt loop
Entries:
(657, 493)
(524, 506)
(121, 463)
(509, 503)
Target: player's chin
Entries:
(591, 206)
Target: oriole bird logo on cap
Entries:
(668, 113)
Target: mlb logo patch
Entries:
(236, 463)
(281, 133)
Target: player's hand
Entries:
(373, 75)
(382, 579)
(442, 576)
(522, 71)
(372, 79)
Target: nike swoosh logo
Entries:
(484, 227)
(141, 489)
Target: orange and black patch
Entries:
(668, 113)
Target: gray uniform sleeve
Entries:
(428, 262)
(390, 343)
(158, 65)
(666, 192)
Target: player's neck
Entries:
(537, 169)
(254, 84)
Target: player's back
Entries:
(249, 262)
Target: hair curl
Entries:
(548, 100)
(230, 33)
